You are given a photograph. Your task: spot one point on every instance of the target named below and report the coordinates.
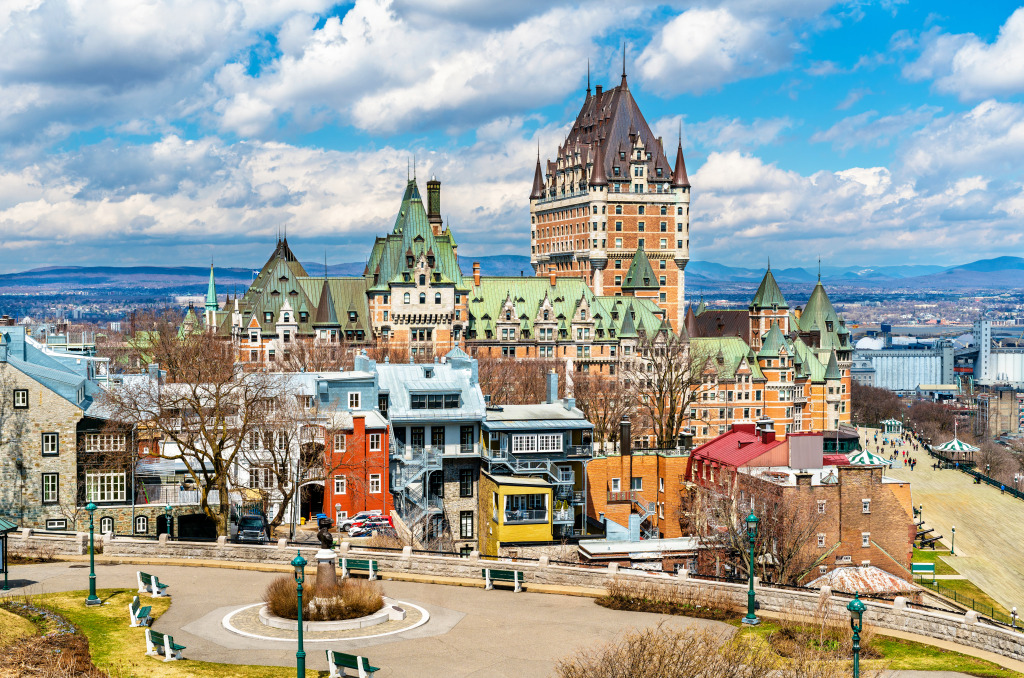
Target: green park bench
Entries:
(339, 661)
(139, 615)
(370, 566)
(149, 583)
(923, 569)
(507, 576)
(160, 644)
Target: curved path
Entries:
(471, 632)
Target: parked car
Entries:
(347, 523)
(371, 525)
(251, 529)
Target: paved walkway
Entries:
(471, 632)
(990, 527)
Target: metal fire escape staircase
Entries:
(546, 466)
(409, 480)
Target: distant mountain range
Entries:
(999, 273)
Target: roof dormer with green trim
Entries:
(640, 275)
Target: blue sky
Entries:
(174, 132)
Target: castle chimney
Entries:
(476, 273)
(551, 274)
(434, 205)
(598, 91)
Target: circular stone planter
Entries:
(392, 611)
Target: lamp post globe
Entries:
(751, 618)
(856, 608)
(93, 599)
(299, 564)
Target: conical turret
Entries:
(538, 182)
(211, 293)
(679, 178)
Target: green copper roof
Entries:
(396, 257)
(773, 343)
(6, 526)
(832, 371)
(640, 275)
(768, 294)
(726, 355)
(211, 293)
(818, 316)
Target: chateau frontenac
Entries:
(609, 233)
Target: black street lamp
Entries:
(300, 575)
(93, 599)
(856, 608)
(751, 618)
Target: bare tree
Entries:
(390, 350)
(13, 429)
(308, 355)
(665, 378)
(203, 414)
(515, 381)
(604, 400)
(872, 405)
(786, 530)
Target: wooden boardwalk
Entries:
(989, 527)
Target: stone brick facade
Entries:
(455, 504)
(24, 464)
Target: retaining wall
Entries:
(965, 629)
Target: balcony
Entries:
(564, 516)
(467, 448)
(579, 451)
(615, 497)
(526, 516)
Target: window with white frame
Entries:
(375, 442)
(865, 506)
(821, 506)
(105, 487)
(260, 478)
(339, 442)
(353, 400)
(865, 539)
(280, 441)
(51, 486)
(141, 524)
(340, 485)
(524, 443)
(821, 540)
(374, 483)
(661, 484)
(106, 525)
(51, 444)
(104, 442)
(616, 484)
(20, 398)
(549, 442)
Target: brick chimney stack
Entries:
(434, 205)
(551, 274)
(476, 273)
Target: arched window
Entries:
(141, 525)
(423, 280)
(407, 298)
(106, 524)
(423, 297)
(437, 298)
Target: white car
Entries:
(346, 523)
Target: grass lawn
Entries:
(898, 654)
(121, 650)
(967, 588)
(13, 627)
(929, 556)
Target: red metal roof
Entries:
(735, 448)
(835, 460)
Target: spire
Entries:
(598, 177)
(588, 78)
(538, 179)
(819, 269)
(623, 84)
(679, 178)
(211, 293)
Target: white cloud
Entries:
(869, 130)
(384, 71)
(722, 133)
(703, 49)
(964, 65)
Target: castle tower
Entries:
(609, 192)
(211, 301)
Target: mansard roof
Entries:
(817, 315)
(412, 236)
(768, 293)
(640, 275)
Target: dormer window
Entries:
(508, 315)
(303, 316)
(268, 317)
(583, 314)
(658, 171)
(828, 325)
(409, 261)
(615, 171)
(545, 315)
(352, 315)
(430, 262)
(622, 155)
(287, 317)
